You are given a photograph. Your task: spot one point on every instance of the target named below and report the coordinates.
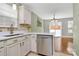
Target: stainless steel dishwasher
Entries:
(45, 45)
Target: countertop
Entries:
(3, 38)
(67, 36)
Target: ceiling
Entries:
(46, 10)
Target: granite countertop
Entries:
(38, 33)
(3, 38)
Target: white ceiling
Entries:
(46, 10)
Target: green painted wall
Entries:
(76, 27)
(34, 19)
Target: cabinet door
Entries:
(21, 14)
(27, 16)
(24, 15)
(23, 47)
(19, 49)
(33, 43)
(28, 43)
(12, 50)
(2, 53)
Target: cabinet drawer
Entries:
(11, 41)
(1, 44)
(21, 38)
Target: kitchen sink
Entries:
(11, 35)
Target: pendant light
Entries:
(53, 22)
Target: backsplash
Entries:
(6, 29)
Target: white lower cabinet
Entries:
(33, 43)
(19, 49)
(25, 47)
(12, 50)
(2, 49)
(18, 46)
(2, 52)
(28, 46)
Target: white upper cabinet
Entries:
(24, 15)
(8, 15)
(7, 10)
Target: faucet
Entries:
(11, 29)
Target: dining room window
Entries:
(70, 26)
(55, 27)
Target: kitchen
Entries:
(23, 31)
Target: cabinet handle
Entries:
(20, 44)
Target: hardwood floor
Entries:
(65, 44)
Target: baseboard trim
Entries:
(74, 54)
(28, 53)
